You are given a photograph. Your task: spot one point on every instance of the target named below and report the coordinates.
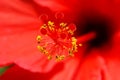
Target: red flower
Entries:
(98, 58)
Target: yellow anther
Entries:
(71, 53)
(67, 28)
(63, 25)
(38, 38)
(51, 28)
(74, 44)
(42, 49)
(39, 47)
(71, 32)
(60, 57)
(44, 26)
(49, 57)
(74, 40)
(75, 48)
(80, 45)
(51, 24)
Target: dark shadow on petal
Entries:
(101, 24)
(17, 73)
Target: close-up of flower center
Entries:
(55, 39)
(60, 40)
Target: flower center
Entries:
(56, 39)
(102, 25)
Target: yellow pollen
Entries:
(80, 45)
(38, 38)
(49, 57)
(67, 28)
(71, 32)
(71, 53)
(50, 23)
(44, 26)
(42, 49)
(60, 57)
(63, 25)
(74, 41)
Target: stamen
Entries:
(63, 25)
(51, 24)
(56, 39)
(71, 53)
(38, 38)
(74, 41)
(49, 57)
(44, 17)
(59, 58)
(59, 15)
(42, 50)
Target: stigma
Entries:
(56, 39)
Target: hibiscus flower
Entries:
(97, 57)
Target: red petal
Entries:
(17, 73)
(16, 13)
(49, 3)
